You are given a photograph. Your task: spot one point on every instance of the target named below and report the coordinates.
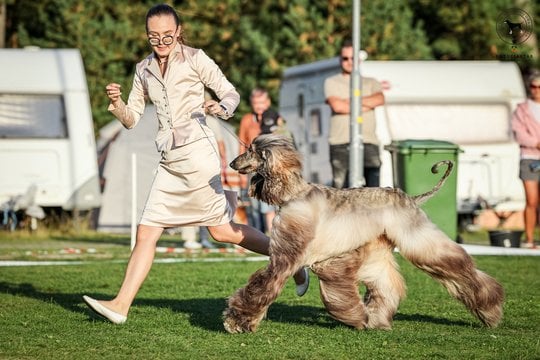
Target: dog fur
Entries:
(347, 237)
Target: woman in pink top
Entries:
(187, 189)
(526, 127)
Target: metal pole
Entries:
(356, 157)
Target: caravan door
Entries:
(302, 104)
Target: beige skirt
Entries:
(187, 189)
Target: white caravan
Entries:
(468, 103)
(46, 130)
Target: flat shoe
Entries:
(529, 245)
(302, 288)
(101, 310)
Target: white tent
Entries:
(115, 212)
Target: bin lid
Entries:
(408, 145)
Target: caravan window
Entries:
(300, 105)
(315, 124)
(32, 116)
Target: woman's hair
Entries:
(535, 75)
(164, 10)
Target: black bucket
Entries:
(505, 238)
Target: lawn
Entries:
(177, 314)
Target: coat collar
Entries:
(176, 53)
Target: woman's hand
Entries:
(212, 107)
(113, 92)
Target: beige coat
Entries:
(178, 97)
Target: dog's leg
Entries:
(429, 249)
(339, 288)
(290, 236)
(384, 283)
(247, 307)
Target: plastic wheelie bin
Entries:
(411, 163)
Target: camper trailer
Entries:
(468, 103)
(46, 129)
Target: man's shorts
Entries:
(525, 171)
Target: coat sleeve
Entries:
(212, 77)
(130, 114)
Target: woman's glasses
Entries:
(166, 40)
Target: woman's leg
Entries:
(239, 234)
(137, 269)
(531, 208)
(249, 238)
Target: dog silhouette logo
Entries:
(514, 26)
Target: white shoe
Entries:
(101, 310)
(192, 245)
(302, 288)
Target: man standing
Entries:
(337, 94)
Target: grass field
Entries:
(177, 314)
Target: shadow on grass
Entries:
(206, 313)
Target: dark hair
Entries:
(164, 10)
(346, 43)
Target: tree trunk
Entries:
(2, 24)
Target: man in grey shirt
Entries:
(337, 94)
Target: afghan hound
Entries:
(347, 237)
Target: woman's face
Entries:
(535, 90)
(162, 34)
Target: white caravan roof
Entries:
(46, 71)
(428, 80)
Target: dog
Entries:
(347, 237)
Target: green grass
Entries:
(177, 314)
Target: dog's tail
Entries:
(422, 198)
(430, 250)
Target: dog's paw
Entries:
(232, 327)
(234, 323)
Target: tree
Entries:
(254, 41)
(104, 32)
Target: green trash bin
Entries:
(411, 163)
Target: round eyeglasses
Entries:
(166, 40)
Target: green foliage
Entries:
(254, 41)
(104, 32)
(389, 32)
(466, 30)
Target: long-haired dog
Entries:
(347, 237)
